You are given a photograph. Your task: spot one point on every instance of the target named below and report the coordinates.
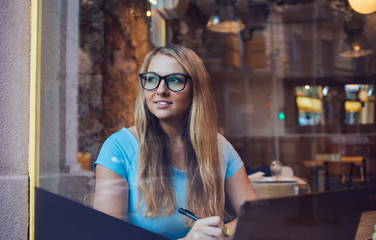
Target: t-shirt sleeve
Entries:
(234, 163)
(111, 157)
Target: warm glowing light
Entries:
(148, 13)
(154, 2)
(356, 48)
(307, 87)
(363, 6)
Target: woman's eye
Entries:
(175, 80)
(152, 79)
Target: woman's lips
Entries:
(163, 104)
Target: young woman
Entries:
(173, 156)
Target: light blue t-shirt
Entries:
(120, 153)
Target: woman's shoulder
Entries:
(123, 135)
(121, 144)
(133, 131)
(119, 152)
(224, 146)
(222, 140)
(229, 156)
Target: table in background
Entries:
(316, 168)
(280, 189)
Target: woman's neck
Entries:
(174, 131)
(176, 144)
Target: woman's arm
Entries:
(238, 189)
(111, 193)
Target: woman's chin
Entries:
(170, 119)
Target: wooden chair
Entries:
(360, 164)
(342, 170)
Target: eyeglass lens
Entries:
(175, 82)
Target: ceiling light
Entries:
(225, 18)
(363, 6)
(355, 45)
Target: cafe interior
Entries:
(293, 80)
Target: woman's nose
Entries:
(162, 88)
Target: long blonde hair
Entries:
(205, 194)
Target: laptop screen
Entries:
(325, 215)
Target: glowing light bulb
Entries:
(363, 6)
(148, 13)
(307, 87)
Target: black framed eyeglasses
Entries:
(175, 81)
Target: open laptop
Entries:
(316, 216)
(58, 218)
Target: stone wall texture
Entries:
(126, 44)
(90, 76)
(14, 118)
(114, 41)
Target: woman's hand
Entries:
(207, 228)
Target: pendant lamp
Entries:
(363, 6)
(355, 45)
(225, 18)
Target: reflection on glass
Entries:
(309, 102)
(360, 104)
(320, 105)
(90, 66)
(65, 166)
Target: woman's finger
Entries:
(214, 221)
(200, 231)
(214, 232)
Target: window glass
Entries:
(309, 102)
(289, 86)
(359, 104)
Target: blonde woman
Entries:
(173, 156)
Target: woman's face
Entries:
(163, 103)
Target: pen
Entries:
(192, 216)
